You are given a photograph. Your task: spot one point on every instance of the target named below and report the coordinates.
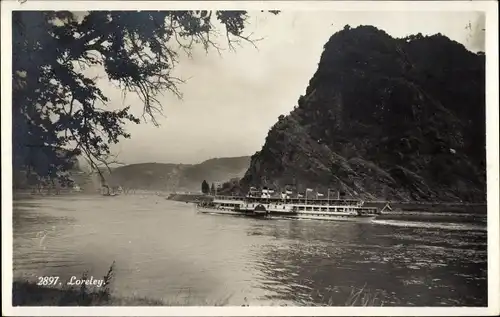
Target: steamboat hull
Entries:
(283, 215)
(334, 218)
(240, 213)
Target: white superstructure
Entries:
(282, 206)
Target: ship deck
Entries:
(296, 201)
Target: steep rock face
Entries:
(384, 118)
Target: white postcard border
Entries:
(492, 141)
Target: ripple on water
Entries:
(434, 225)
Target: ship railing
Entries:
(295, 201)
(228, 198)
(326, 203)
(360, 203)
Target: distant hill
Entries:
(384, 118)
(179, 177)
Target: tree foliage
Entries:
(205, 188)
(59, 112)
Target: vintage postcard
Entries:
(250, 158)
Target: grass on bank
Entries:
(30, 294)
(25, 293)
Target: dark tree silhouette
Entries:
(60, 113)
(205, 188)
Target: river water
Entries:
(165, 250)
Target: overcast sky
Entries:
(231, 101)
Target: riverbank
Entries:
(189, 198)
(433, 207)
(29, 294)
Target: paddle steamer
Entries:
(264, 205)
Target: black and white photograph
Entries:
(207, 155)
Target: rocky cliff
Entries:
(384, 118)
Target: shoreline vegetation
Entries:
(28, 293)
